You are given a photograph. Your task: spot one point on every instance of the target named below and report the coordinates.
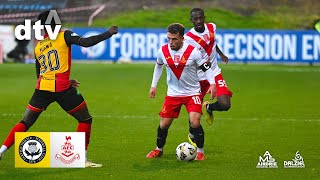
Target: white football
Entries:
(186, 152)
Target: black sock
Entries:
(161, 137)
(215, 107)
(191, 130)
(199, 136)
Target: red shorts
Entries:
(221, 87)
(172, 105)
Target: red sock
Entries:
(20, 127)
(85, 127)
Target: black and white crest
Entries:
(32, 149)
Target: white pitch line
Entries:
(156, 117)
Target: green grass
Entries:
(274, 108)
(279, 18)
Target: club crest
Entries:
(32, 149)
(67, 155)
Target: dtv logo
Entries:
(26, 28)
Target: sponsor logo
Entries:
(267, 161)
(297, 162)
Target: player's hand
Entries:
(113, 30)
(212, 91)
(152, 93)
(224, 58)
(74, 83)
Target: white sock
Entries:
(3, 149)
(200, 150)
(160, 149)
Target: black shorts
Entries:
(67, 99)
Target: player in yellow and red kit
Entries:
(53, 64)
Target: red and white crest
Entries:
(67, 152)
(67, 148)
(176, 59)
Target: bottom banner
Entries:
(50, 150)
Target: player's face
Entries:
(197, 19)
(175, 41)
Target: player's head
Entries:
(43, 17)
(197, 18)
(175, 32)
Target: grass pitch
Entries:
(274, 108)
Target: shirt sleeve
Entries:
(205, 66)
(157, 70)
(73, 38)
(159, 57)
(156, 74)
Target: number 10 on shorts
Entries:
(196, 100)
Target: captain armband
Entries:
(205, 66)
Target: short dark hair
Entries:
(176, 28)
(196, 10)
(43, 17)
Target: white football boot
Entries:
(91, 164)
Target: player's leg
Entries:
(204, 85)
(37, 104)
(223, 94)
(198, 134)
(170, 110)
(74, 104)
(223, 103)
(194, 109)
(162, 133)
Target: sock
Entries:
(161, 137)
(191, 131)
(199, 136)
(20, 127)
(85, 127)
(215, 107)
(200, 150)
(160, 149)
(3, 149)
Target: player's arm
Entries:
(223, 57)
(72, 38)
(206, 68)
(158, 68)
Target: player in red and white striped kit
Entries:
(182, 62)
(202, 36)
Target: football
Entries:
(186, 152)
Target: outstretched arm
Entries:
(223, 57)
(72, 38)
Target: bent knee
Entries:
(225, 106)
(195, 124)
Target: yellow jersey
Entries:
(54, 57)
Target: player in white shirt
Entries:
(182, 62)
(202, 36)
